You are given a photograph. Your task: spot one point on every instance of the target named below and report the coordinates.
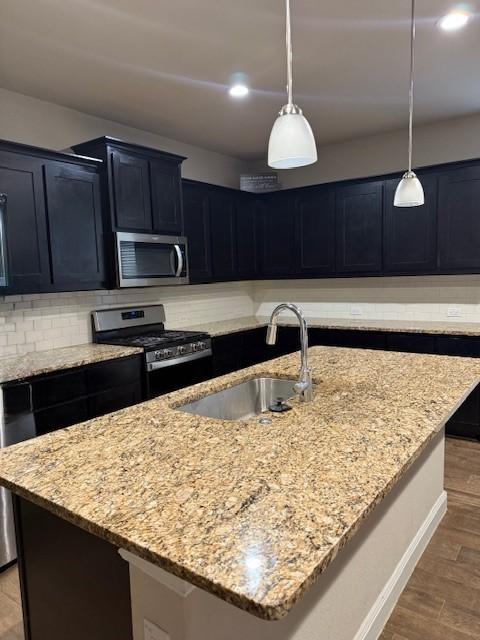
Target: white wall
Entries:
(44, 124)
(47, 321)
(447, 141)
(397, 298)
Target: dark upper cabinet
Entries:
(21, 180)
(315, 210)
(410, 233)
(459, 219)
(359, 213)
(166, 197)
(131, 191)
(223, 235)
(277, 242)
(75, 224)
(196, 215)
(141, 186)
(248, 209)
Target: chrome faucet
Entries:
(304, 386)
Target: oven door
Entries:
(145, 260)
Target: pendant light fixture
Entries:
(409, 192)
(291, 141)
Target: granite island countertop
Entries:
(16, 368)
(224, 327)
(251, 513)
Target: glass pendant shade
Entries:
(291, 142)
(409, 192)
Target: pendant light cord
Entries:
(412, 69)
(289, 54)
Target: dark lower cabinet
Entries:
(227, 353)
(459, 219)
(21, 180)
(246, 348)
(74, 585)
(359, 215)
(75, 225)
(68, 397)
(410, 233)
(411, 342)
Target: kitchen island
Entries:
(331, 504)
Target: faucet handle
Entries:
(301, 386)
(271, 333)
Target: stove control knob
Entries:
(167, 353)
(158, 355)
(202, 345)
(182, 349)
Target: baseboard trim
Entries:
(378, 615)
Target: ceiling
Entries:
(165, 66)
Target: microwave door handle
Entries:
(180, 260)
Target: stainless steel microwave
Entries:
(145, 260)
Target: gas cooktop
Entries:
(143, 327)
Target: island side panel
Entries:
(351, 600)
(74, 585)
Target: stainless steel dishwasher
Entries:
(17, 424)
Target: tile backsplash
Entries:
(437, 298)
(46, 321)
(51, 320)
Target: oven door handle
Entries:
(179, 253)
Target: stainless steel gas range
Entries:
(173, 359)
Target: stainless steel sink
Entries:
(242, 401)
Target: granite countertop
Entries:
(251, 513)
(224, 327)
(17, 368)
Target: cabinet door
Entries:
(227, 353)
(75, 225)
(359, 211)
(222, 234)
(277, 239)
(410, 233)
(197, 230)
(316, 231)
(246, 236)
(459, 219)
(131, 190)
(21, 180)
(166, 197)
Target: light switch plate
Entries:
(454, 312)
(152, 632)
(355, 311)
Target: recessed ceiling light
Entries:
(239, 91)
(453, 20)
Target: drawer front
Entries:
(114, 399)
(57, 389)
(61, 416)
(113, 373)
(458, 346)
(411, 342)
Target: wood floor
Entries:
(442, 598)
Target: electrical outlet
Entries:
(454, 312)
(355, 311)
(152, 632)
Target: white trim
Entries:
(374, 622)
(177, 585)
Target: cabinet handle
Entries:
(180, 260)
(3, 241)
